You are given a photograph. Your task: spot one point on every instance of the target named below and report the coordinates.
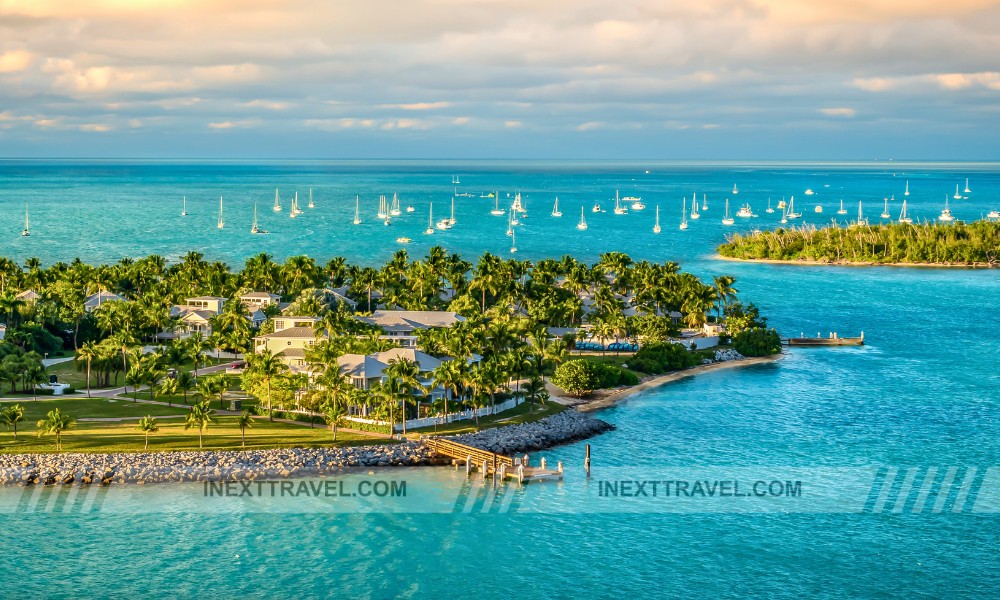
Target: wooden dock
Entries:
(490, 463)
(832, 340)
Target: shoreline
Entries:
(615, 396)
(843, 263)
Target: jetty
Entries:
(488, 463)
(833, 339)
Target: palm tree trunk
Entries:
(199, 439)
(88, 377)
(146, 447)
(243, 438)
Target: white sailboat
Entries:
(818, 209)
(619, 209)
(513, 243)
(555, 209)
(184, 207)
(735, 190)
(27, 223)
(885, 209)
(517, 206)
(957, 196)
(791, 214)
(511, 221)
(221, 222)
(946, 215)
(430, 221)
(906, 192)
(294, 212)
(311, 203)
(967, 190)
(277, 201)
(684, 214)
(255, 229)
(496, 212)
(861, 218)
(394, 210)
(993, 215)
(451, 220)
(727, 220)
(782, 203)
(704, 200)
(383, 210)
(784, 213)
(903, 217)
(357, 209)
(769, 210)
(842, 211)
(447, 223)
(695, 215)
(583, 221)
(656, 227)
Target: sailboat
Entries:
(885, 209)
(735, 191)
(496, 212)
(383, 210)
(791, 214)
(946, 213)
(455, 180)
(861, 218)
(597, 208)
(745, 212)
(311, 203)
(27, 225)
(451, 220)
(694, 208)
(446, 223)
(784, 213)
(513, 242)
(842, 210)
(430, 221)
(782, 203)
(357, 209)
(619, 209)
(221, 222)
(957, 196)
(277, 201)
(704, 201)
(903, 217)
(394, 209)
(184, 207)
(294, 212)
(906, 192)
(967, 190)
(517, 206)
(684, 214)
(583, 221)
(656, 227)
(555, 209)
(256, 229)
(769, 209)
(511, 221)
(727, 220)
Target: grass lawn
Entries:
(224, 435)
(67, 372)
(88, 407)
(514, 416)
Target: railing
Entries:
(462, 452)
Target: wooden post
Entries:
(486, 468)
(559, 467)
(525, 461)
(468, 465)
(503, 471)
(520, 473)
(543, 463)
(586, 461)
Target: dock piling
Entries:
(468, 466)
(586, 461)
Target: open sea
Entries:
(894, 446)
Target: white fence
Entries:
(450, 417)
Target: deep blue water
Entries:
(923, 393)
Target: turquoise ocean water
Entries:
(865, 430)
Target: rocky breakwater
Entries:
(162, 467)
(562, 428)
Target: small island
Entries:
(975, 244)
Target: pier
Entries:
(832, 340)
(488, 463)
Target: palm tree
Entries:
(210, 386)
(267, 366)
(88, 352)
(332, 412)
(185, 382)
(55, 422)
(200, 417)
(135, 376)
(724, 291)
(147, 425)
(407, 374)
(168, 388)
(535, 390)
(11, 416)
(244, 422)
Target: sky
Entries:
(575, 79)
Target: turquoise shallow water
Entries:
(923, 393)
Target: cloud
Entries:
(513, 124)
(269, 105)
(839, 112)
(15, 61)
(420, 106)
(590, 125)
(95, 127)
(233, 124)
(460, 121)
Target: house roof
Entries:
(360, 365)
(202, 316)
(293, 332)
(425, 362)
(260, 295)
(205, 298)
(409, 320)
(292, 352)
(101, 297)
(28, 295)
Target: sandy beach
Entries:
(844, 263)
(609, 398)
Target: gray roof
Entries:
(293, 332)
(425, 362)
(261, 295)
(99, 298)
(359, 365)
(291, 352)
(409, 320)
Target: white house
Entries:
(400, 326)
(94, 301)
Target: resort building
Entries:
(194, 316)
(291, 338)
(255, 301)
(400, 326)
(28, 296)
(365, 371)
(94, 301)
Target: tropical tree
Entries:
(535, 390)
(168, 388)
(147, 425)
(11, 416)
(210, 386)
(55, 422)
(200, 417)
(332, 413)
(266, 366)
(185, 383)
(244, 421)
(88, 353)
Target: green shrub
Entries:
(757, 342)
(580, 377)
(661, 358)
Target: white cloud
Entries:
(419, 106)
(839, 112)
(15, 61)
(233, 124)
(590, 125)
(95, 127)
